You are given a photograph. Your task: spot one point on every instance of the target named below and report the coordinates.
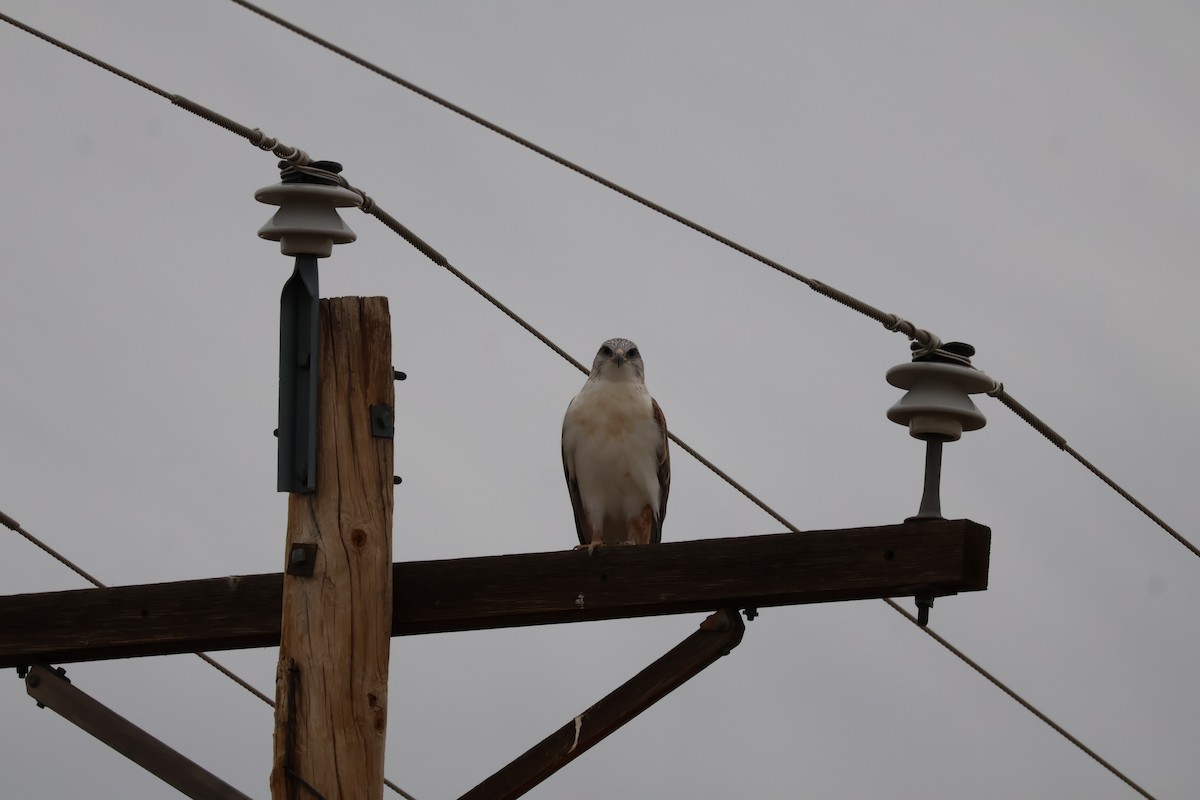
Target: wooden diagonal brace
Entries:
(718, 634)
(55, 692)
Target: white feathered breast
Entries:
(610, 442)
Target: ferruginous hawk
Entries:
(614, 449)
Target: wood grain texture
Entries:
(678, 577)
(331, 682)
(514, 590)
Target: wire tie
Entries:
(263, 141)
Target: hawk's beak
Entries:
(620, 357)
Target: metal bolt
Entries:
(383, 421)
(924, 603)
(302, 559)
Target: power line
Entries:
(1058, 441)
(1024, 703)
(301, 161)
(13, 525)
(928, 341)
(104, 65)
(892, 322)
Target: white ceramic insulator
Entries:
(937, 405)
(307, 222)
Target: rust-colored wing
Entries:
(664, 472)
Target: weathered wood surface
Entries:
(331, 682)
(706, 575)
(514, 590)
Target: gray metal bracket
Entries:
(299, 322)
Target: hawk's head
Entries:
(619, 360)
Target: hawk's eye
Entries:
(606, 351)
(632, 353)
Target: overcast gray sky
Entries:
(1021, 176)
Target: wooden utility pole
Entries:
(331, 683)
